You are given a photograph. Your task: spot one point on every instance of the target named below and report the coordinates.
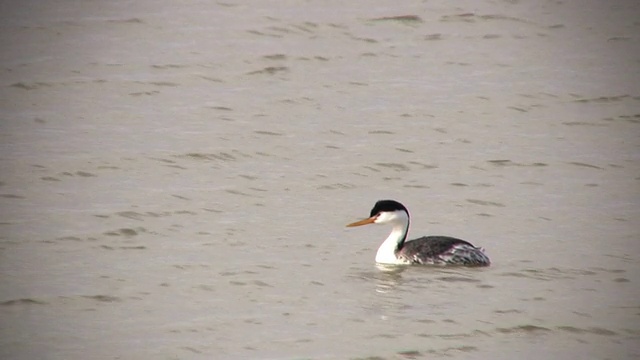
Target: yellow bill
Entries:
(363, 222)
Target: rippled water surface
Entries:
(176, 178)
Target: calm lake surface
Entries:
(177, 177)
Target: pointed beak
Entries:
(370, 220)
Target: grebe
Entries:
(438, 250)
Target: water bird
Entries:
(435, 250)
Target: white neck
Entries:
(387, 251)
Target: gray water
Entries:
(176, 178)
